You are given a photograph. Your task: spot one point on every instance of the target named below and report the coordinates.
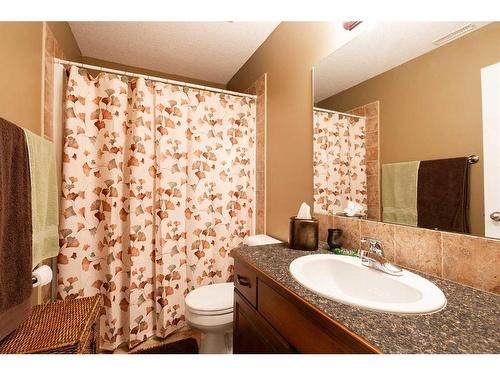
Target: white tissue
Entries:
(304, 212)
(43, 276)
(353, 208)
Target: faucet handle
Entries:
(374, 257)
(375, 245)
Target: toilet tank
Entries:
(260, 239)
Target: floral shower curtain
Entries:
(158, 186)
(339, 161)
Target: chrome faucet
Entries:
(374, 257)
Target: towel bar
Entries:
(473, 159)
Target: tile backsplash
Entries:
(52, 50)
(371, 112)
(258, 88)
(469, 260)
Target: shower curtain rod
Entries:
(152, 78)
(337, 112)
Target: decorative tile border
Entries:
(465, 259)
(371, 112)
(259, 88)
(51, 51)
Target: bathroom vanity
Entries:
(273, 313)
(269, 318)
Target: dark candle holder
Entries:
(333, 238)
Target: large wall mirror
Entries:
(407, 126)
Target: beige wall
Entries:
(24, 83)
(21, 73)
(21, 51)
(430, 107)
(65, 40)
(287, 57)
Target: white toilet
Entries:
(261, 239)
(209, 309)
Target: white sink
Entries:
(345, 279)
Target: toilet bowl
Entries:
(209, 309)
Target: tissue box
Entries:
(304, 234)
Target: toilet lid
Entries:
(211, 299)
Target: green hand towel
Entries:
(399, 193)
(44, 197)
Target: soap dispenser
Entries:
(304, 230)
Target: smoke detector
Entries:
(455, 34)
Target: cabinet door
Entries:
(296, 324)
(252, 334)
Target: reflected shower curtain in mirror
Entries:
(339, 161)
(158, 186)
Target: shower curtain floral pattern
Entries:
(158, 185)
(339, 161)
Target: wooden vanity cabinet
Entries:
(269, 318)
(252, 333)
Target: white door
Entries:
(490, 87)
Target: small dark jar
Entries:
(333, 238)
(304, 234)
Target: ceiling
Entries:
(209, 51)
(379, 48)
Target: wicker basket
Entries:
(70, 326)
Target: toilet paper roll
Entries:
(43, 276)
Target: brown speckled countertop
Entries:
(470, 323)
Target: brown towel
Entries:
(442, 194)
(15, 228)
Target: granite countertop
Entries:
(470, 323)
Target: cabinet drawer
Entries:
(301, 329)
(245, 281)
